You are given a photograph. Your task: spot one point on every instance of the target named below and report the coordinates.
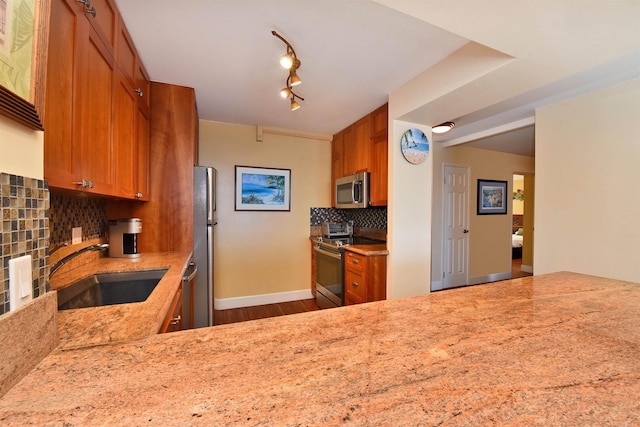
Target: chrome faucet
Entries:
(63, 261)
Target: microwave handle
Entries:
(353, 191)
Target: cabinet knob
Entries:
(138, 195)
(138, 91)
(355, 260)
(176, 320)
(355, 284)
(91, 11)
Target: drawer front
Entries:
(355, 261)
(355, 286)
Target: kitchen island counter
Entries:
(557, 349)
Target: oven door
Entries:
(329, 278)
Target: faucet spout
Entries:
(63, 261)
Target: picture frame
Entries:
(15, 103)
(262, 189)
(492, 197)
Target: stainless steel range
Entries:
(330, 262)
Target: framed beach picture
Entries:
(492, 197)
(262, 189)
(414, 145)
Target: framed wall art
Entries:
(262, 189)
(24, 33)
(492, 197)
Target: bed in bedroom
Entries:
(516, 246)
(516, 237)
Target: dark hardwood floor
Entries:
(516, 269)
(242, 314)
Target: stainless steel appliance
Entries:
(123, 237)
(204, 221)
(352, 191)
(337, 229)
(329, 274)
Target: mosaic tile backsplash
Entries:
(67, 212)
(373, 218)
(24, 230)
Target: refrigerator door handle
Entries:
(194, 271)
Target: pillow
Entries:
(520, 232)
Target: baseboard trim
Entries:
(495, 277)
(252, 300)
(527, 268)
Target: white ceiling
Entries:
(355, 53)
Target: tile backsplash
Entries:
(67, 212)
(24, 230)
(372, 218)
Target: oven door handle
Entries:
(327, 253)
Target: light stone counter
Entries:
(122, 322)
(558, 349)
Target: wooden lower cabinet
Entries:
(365, 278)
(173, 321)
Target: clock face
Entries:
(415, 146)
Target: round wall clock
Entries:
(415, 146)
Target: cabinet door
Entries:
(355, 286)
(124, 137)
(66, 33)
(173, 321)
(142, 154)
(357, 146)
(379, 155)
(94, 104)
(104, 22)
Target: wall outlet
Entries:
(76, 235)
(20, 282)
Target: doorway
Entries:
(455, 224)
(522, 226)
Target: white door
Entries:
(455, 222)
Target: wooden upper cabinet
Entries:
(60, 170)
(363, 147)
(124, 142)
(93, 104)
(97, 137)
(80, 72)
(126, 54)
(105, 21)
(379, 156)
(357, 146)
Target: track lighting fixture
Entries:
(443, 127)
(290, 62)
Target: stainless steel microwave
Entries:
(353, 191)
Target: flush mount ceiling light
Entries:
(443, 127)
(290, 62)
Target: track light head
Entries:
(285, 92)
(290, 62)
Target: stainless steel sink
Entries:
(110, 288)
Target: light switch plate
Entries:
(20, 282)
(76, 235)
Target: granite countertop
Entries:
(557, 349)
(98, 325)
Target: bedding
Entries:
(516, 241)
(516, 246)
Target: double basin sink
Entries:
(109, 289)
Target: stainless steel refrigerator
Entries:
(204, 221)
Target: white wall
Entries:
(587, 200)
(21, 149)
(408, 217)
(264, 257)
